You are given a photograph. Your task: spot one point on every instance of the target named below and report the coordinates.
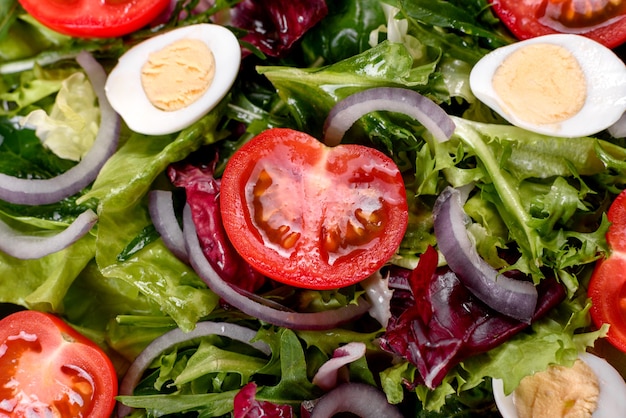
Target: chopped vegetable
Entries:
(247, 406)
(274, 26)
(28, 247)
(512, 297)
(603, 21)
(309, 215)
(440, 323)
(356, 398)
(260, 308)
(95, 18)
(202, 191)
(607, 288)
(49, 369)
(42, 191)
(343, 115)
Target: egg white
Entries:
(604, 72)
(612, 397)
(127, 96)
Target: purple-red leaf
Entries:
(202, 191)
(247, 406)
(275, 25)
(438, 322)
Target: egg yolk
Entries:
(558, 392)
(178, 75)
(541, 84)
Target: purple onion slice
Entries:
(393, 99)
(360, 399)
(177, 336)
(45, 191)
(270, 314)
(163, 216)
(329, 373)
(29, 247)
(511, 297)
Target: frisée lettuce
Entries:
(538, 208)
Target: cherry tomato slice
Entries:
(607, 287)
(49, 369)
(95, 18)
(309, 215)
(603, 21)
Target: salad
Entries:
(151, 259)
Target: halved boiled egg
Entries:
(591, 388)
(168, 82)
(563, 85)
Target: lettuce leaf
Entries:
(70, 128)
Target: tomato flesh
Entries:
(95, 18)
(48, 369)
(309, 215)
(607, 287)
(601, 20)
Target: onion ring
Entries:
(163, 217)
(30, 247)
(44, 191)
(176, 336)
(361, 399)
(294, 320)
(347, 111)
(511, 297)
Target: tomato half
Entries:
(49, 369)
(607, 287)
(309, 215)
(601, 20)
(95, 18)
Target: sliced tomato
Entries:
(95, 18)
(603, 21)
(49, 369)
(607, 287)
(309, 215)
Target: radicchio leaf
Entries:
(438, 322)
(202, 191)
(275, 25)
(247, 406)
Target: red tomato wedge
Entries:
(603, 21)
(49, 369)
(309, 215)
(607, 287)
(95, 18)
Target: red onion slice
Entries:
(378, 292)
(294, 320)
(328, 374)
(360, 399)
(177, 336)
(514, 298)
(618, 129)
(44, 191)
(29, 247)
(163, 217)
(347, 111)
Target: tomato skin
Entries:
(53, 368)
(607, 287)
(524, 20)
(95, 18)
(309, 215)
